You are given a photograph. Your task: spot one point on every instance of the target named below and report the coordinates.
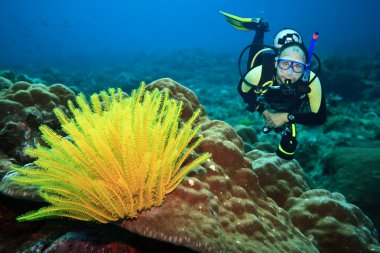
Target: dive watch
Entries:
(291, 117)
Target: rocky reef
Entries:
(245, 199)
(25, 106)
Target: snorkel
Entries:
(306, 75)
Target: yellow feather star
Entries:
(123, 156)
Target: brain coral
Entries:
(24, 106)
(332, 223)
(279, 178)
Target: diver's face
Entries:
(291, 55)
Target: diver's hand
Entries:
(275, 119)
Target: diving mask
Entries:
(286, 64)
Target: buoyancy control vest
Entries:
(284, 97)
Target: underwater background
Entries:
(89, 46)
(59, 31)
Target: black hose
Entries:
(318, 70)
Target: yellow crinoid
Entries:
(123, 155)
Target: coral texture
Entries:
(25, 106)
(355, 172)
(236, 202)
(332, 223)
(4, 83)
(279, 178)
(121, 157)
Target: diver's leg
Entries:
(288, 144)
(257, 43)
(256, 46)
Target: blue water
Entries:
(32, 32)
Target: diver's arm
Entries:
(317, 116)
(260, 26)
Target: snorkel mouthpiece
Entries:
(306, 75)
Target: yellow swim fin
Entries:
(245, 24)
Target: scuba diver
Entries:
(278, 82)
